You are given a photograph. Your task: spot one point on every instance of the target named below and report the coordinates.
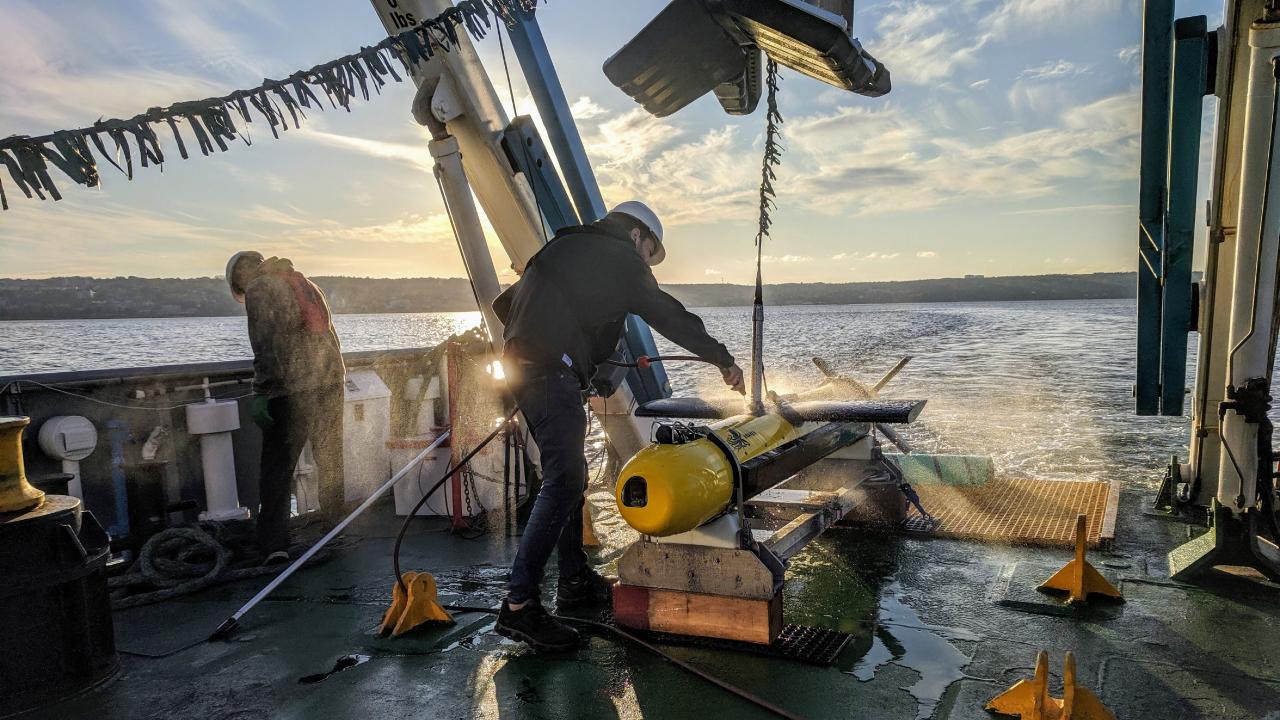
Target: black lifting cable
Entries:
(404, 527)
(772, 157)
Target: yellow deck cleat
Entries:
(16, 494)
(416, 607)
(1030, 699)
(1078, 578)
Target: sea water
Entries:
(1044, 387)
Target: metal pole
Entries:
(553, 106)
(757, 347)
(1230, 85)
(1190, 61)
(1257, 247)
(461, 208)
(230, 623)
(1157, 37)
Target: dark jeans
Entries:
(314, 415)
(551, 402)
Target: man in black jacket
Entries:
(564, 317)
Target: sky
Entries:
(1008, 145)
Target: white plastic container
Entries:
(409, 490)
(69, 438)
(366, 422)
(485, 465)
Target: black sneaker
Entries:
(586, 589)
(532, 624)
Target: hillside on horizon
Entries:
(65, 298)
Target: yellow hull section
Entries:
(667, 489)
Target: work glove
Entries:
(260, 411)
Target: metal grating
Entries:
(802, 643)
(1019, 511)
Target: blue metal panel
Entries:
(528, 155)
(553, 107)
(1190, 70)
(1157, 35)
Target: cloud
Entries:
(856, 160)
(255, 177)
(584, 108)
(60, 76)
(272, 216)
(686, 181)
(416, 156)
(199, 26)
(926, 254)
(96, 235)
(1073, 209)
(411, 229)
(924, 42)
(1032, 18)
(632, 137)
(1054, 69)
(944, 140)
(1039, 93)
(712, 271)
(871, 256)
(110, 61)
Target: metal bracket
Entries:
(527, 154)
(1252, 401)
(745, 538)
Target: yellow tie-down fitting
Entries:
(16, 494)
(1030, 699)
(1078, 578)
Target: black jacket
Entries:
(573, 299)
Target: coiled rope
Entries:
(182, 560)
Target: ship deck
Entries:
(929, 639)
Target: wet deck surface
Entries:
(930, 641)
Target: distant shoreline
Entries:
(84, 298)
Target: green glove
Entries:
(261, 412)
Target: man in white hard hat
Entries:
(562, 318)
(298, 377)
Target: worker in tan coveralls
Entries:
(298, 377)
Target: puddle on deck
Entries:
(902, 639)
(844, 582)
(346, 662)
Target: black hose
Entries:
(404, 527)
(644, 361)
(628, 637)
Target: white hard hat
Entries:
(238, 293)
(649, 219)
